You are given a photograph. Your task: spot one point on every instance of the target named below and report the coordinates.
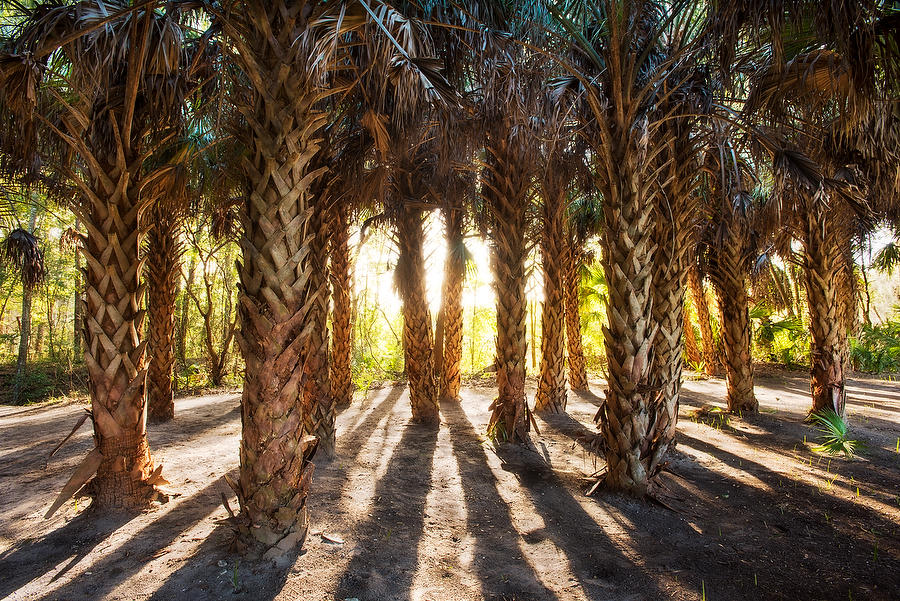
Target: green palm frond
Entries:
(834, 434)
(888, 258)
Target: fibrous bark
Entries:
(341, 308)
(506, 194)
(114, 350)
(691, 346)
(551, 392)
(418, 337)
(701, 306)
(163, 265)
(727, 270)
(674, 240)
(572, 282)
(451, 306)
(828, 346)
(277, 52)
(319, 410)
(626, 418)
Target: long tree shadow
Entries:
(568, 426)
(786, 434)
(599, 565)
(756, 531)
(891, 388)
(588, 396)
(152, 539)
(488, 518)
(160, 436)
(386, 549)
(367, 424)
(33, 557)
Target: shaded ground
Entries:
(749, 511)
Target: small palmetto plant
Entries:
(834, 434)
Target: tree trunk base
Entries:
(272, 537)
(161, 414)
(262, 542)
(125, 477)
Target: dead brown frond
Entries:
(22, 250)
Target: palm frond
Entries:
(22, 250)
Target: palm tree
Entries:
(551, 393)
(418, 335)
(618, 68)
(506, 193)
(583, 222)
(729, 244)
(508, 90)
(341, 307)
(448, 351)
(815, 84)
(163, 271)
(23, 252)
(115, 56)
(281, 52)
(675, 229)
(700, 302)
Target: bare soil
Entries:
(746, 510)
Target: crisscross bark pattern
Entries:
(114, 350)
(551, 392)
(451, 306)
(574, 347)
(506, 191)
(828, 347)
(277, 52)
(341, 309)
(728, 273)
(163, 270)
(319, 410)
(418, 336)
(674, 235)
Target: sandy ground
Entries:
(405, 512)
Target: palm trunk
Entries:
(506, 196)
(114, 350)
(77, 317)
(575, 351)
(628, 418)
(828, 347)
(163, 255)
(847, 292)
(277, 298)
(319, 409)
(727, 274)
(551, 392)
(418, 337)
(701, 306)
(341, 308)
(691, 346)
(451, 306)
(674, 231)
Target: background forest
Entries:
(206, 357)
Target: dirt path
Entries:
(440, 515)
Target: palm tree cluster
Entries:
(693, 139)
